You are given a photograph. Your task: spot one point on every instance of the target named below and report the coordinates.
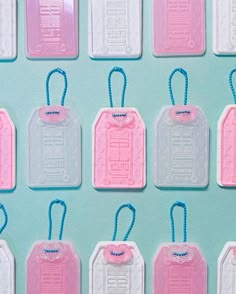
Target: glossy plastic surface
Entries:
(7, 29)
(119, 157)
(109, 276)
(7, 269)
(52, 267)
(7, 151)
(179, 268)
(115, 28)
(226, 147)
(54, 148)
(178, 27)
(51, 28)
(224, 27)
(181, 147)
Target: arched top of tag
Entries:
(179, 253)
(52, 114)
(179, 268)
(119, 117)
(183, 113)
(7, 269)
(105, 275)
(226, 269)
(52, 265)
(51, 250)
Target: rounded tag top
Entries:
(117, 253)
(53, 114)
(183, 113)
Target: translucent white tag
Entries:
(116, 267)
(54, 148)
(181, 147)
(7, 29)
(52, 267)
(226, 269)
(179, 268)
(115, 28)
(224, 27)
(7, 269)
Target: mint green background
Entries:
(211, 212)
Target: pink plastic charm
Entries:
(7, 151)
(51, 27)
(178, 27)
(119, 149)
(226, 174)
(179, 268)
(52, 267)
(117, 253)
(52, 114)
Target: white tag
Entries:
(7, 269)
(224, 27)
(226, 281)
(115, 28)
(116, 267)
(54, 148)
(181, 147)
(7, 29)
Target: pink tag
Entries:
(52, 114)
(179, 268)
(119, 149)
(52, 267)
(52, 28)
(7, 151)
(179, 27)
(226, 173)
(117, 253)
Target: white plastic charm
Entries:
(53, 266)
(7, 262)
(179, 267)
(7, 29)
(115, 28)
(54, 145)
(224, 27)
(181, 144)
(226, 281)
(117, 266)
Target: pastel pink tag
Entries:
(52, 114)
(7, 151)
(51, 27)
(117, 253)
(52, 267)
(178, 27)
(179, 268)
(226, 167)
(119, 149)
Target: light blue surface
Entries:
(211, 212)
